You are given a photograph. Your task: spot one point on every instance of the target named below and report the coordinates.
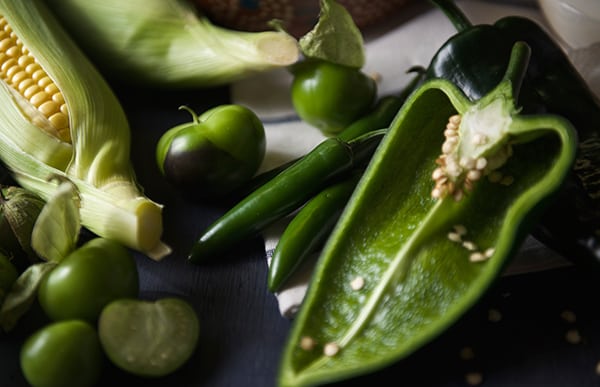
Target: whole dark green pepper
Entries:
(331, 96)
(215, 153)
(473, 60)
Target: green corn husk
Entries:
(168, 43)
(97, 159)
(19, 210)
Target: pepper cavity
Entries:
(473, 147)
(35, 92)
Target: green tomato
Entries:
(149, 338)
(87, 279)
(329, 96)
(215, 153)
(64, 353)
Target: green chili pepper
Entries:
(330, 160)
(427, 231)
(308, 230)
(473, 60)
(380, 117)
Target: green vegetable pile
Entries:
(415, 202)
(481, 152)
(80, 286)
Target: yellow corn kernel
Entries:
(20, 71)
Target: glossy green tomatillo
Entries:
(63, 353)
(331, 96)
(215, 153)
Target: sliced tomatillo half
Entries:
(445, 202)
(149, 338)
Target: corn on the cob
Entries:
(167, 42)
(58, 117)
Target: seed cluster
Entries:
(20, 70)
(455, 175)
(457, 235)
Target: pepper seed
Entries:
(307, 343)
(331, 349)
(469, 245)
(477, 257)
(480, 163)
(357, 283)
(454, 237)
(568, 316)
(460, 229)
(474, 378)
(455, 119)
(573, 336)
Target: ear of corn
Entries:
(70, 124)
(167, 42)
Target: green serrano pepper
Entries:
(379, 117)
(286, 192)
(308, 230)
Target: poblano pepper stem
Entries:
(330, 160)
(445, 202)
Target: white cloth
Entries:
(389, 55)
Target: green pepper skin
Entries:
(308, 230)
(215, 153)
(397, 270)
(330, 96)
(285, 193)
(551, 85)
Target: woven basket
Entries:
(297, 16)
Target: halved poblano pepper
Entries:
(447, 199)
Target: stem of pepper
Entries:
(456, 16)
(517, 67)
